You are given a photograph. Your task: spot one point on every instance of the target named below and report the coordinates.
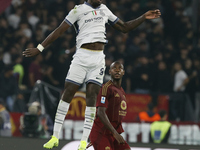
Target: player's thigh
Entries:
(118, 146)
(101, 142)
(76, 73)
(96, 73)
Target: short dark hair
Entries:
(162, 113)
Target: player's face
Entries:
(95, 3)
(116, 71)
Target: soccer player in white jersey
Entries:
(88, 64)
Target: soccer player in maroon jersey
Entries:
(111, 109)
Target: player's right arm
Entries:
(68, 21)
(52, 37)
(101, 113)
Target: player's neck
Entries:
(117, 83)
(92, 4)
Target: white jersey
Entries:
(91, 22)
(179, 78)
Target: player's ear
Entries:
(124, 72)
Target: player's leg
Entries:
(101, 141)
(63, 106)
(74, 78)
(118, 146)
(94, 80)
(92, 91)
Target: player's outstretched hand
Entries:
(31, 52)
(152, 14)
(119, 138)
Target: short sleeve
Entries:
(112, 19)
(184, 75)
(72, 17)
(103, 97)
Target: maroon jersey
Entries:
(113, 98)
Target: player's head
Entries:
(95, 3)
(116, 70)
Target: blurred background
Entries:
(161, 59)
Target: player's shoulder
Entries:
(78, 8)
(103, 6)
(122, 90)
(106, 86)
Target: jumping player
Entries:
(88, 64)
(111, 108)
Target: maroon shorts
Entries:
(106, 142)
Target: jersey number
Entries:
(101, 71)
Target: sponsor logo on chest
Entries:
(97, 16)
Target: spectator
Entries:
(143, 76)
(44, 119)
(180, 78)
(183, 55)
(5, 124)
(24, 30)
(19, 104)
(162, 81)
(18, 69)
(133, 46)
(34, 124)
(62, 62)
(32, 19)
(191, 87)
(35, 70)
(160, 130)
(14, 19)
(149, 115)
(179, 97)
(8, 87)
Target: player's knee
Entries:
(92, 89)
(91, 101)
(69, 91)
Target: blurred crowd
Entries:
(162, 55)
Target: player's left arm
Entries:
(101, 113)
(132, 24)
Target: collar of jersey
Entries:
(91, 5)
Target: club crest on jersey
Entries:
(123, 105)
(102, 13)
(103, 100)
